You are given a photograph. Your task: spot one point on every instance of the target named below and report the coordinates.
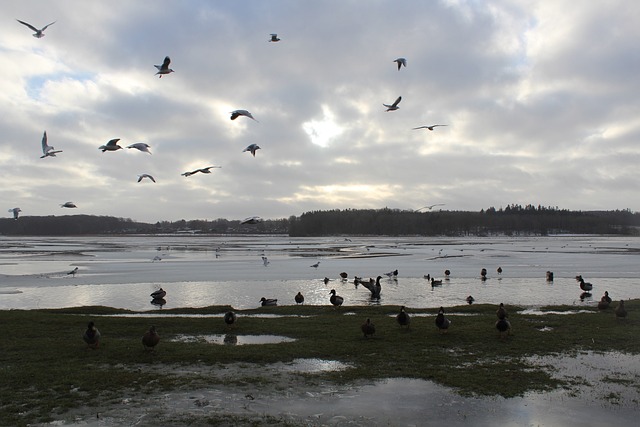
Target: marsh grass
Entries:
(46, 369)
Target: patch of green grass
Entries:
(45, 367)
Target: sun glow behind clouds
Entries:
(351, 194)
(324, 130)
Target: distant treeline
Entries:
(512, 220)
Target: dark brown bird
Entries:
(501, 312)
(230, 318)
(403, 318)
(367, 328)
(503, 326)
(620, 311)
(299, 298)
(92, 336)
(336, 300)
(442, 322)
(150, 339)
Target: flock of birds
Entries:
(164, 69)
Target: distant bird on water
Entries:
(401, 62)
(68, 205)
(145, 175)
(39, 33)
(470, 299)
(299, 298)
(237, 113)
(150, 339)
(585, 286)
(140, 146)
(230, 318)
(403, 318)
(252, 149)
(201, 170)
(336, 300)
(430, 127)
(91, 336)
(47, 150)
(499, 270)
(112, 145)
(374, 286)
(367, 328)
(274, 38)
(164, 68)
(16, 212)
(394, 106)
(268, 301)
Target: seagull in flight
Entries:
(431, 206)
(252, 148)
(428, 127)
(111, 145)
(145, 175)
(164, 68)
(237, 113)
(39, 33)
(252, 220)
(202, 170)
(16, 212)
(401, 62)
(140, 146)
(274, 38)
(47, 150)
(68, 205)
(393, 106)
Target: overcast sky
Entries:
(540, 98)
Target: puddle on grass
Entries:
(311, 366)
(232, 339)
(538, 312)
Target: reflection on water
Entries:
(233, 339)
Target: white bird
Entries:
(252, 148)
(164, 68)
(201, 170)
(16, 212)
(47, 150)
(145, 175)
(265, 261)
(401, 62)
(428, 127)
(274, 38)
(237, 113)
(252, 220)
(68, 205)
(140, 146)
(39, 33)
(393, 106)
(110, 146)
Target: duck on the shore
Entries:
(91, 336)
(620, 311)
(442, 322)
(230, 318)
(367, 328)
(606, 297)
(501, 312)
(344, 275)
(483, 274)
(150, 339)
(503, 326)
(549, 276)
(403, 318)
(336, 300)
(299, 298)
(268, 301)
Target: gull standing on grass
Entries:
(394, 106)
(401, 62)
(111, 145)
(201, 170)
(145, 175)
(428, 127)
(252, 149)
(16, 212)
(47, 150)
(164, 68)
(39, 33)
(140, 146)
(237, 113)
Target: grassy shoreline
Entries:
(46, 368)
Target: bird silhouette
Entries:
(164, 68)
(394, 106)
(274, 38)
(146, 175)
(268, 301)
(201, 170)
(401, 62)
(230, 318)
(430, 127)
(403, 318)
(442, 322)
(112, 145)
(39, 33)
(299, 298)
(140, 146)
(91, 336)
(336, 300)
(237, 113)
(150, 339)
(252, 149)
(47, 150)
(367, 328)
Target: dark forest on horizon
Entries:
(513, 220)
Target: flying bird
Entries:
(16, 212)
(430, 206)
(237, 113)
(110, 146)
(274, 38)
(394, 106)
(145, 175)
(401, 62)
(202, 170)
(140, 146)
(164, 68)
(252, 220)
(39, 33)
(47, 150)
(428, 127)
(68, 205)
(252, 149)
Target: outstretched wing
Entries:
(47, 26)
(29, 25)
(395, 104)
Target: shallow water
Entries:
(198, 271)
